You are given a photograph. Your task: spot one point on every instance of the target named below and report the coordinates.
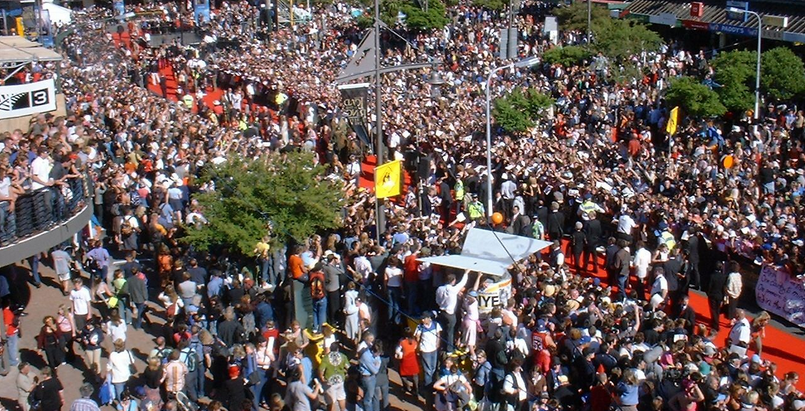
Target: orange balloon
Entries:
(728, 161)
(497, 218)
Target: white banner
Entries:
(26, 99)
(779, 293)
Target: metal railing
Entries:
(39, 210)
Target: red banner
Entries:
(696, 25)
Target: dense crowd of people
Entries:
(600, 179)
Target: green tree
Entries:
(566, 56)
(619, 39)
(735, 73)
(496, 5)
(694, 98)
(574, 16)
(782, 73)
(419, 19)
(518, 111)
(287, 193)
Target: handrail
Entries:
(39, 210)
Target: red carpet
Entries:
(209, 99)
(779, 346)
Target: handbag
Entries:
(107, 392)
(34, 399)
(254, 377)
(132, 366)
(112, 302)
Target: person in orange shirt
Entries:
(296, 267)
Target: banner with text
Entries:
(779, 293)
(354, 105)
(26, 99)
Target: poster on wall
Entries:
(120, 9)
(201, 11)
(779, 293)
(47, 29)
(27, 99)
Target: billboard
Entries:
(27, 99)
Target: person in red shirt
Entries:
(12, 336)
(411, 280)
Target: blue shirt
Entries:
(214, 287)
(369, 363)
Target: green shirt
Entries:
(334, 367)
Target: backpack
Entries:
(126, 229)
(162, 355)
(317, 285)
(190, 359)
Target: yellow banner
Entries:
(673, 121)
(388, 179)
(20, 27)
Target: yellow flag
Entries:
(388, 179)
(673, 121)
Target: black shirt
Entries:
(152, 378)
(48, 393)
(235, 394)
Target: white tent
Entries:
(490, 252)
(58, 14)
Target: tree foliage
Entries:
(519, 111)
(495, 5)
(735, 73)
(782, 73)
(619, 39)
(566, 56)
(694, 98)
(782, 76)
(574, 16)
(288, 194)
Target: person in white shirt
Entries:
(659, 289)
(119, 367)
(40, 177)
(447, 299)
(116, 328)
(740, 334)
(733, 288)
(427, 335)
(514, 384)
(642, 260)
(81, 300)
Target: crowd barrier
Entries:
(39, 210)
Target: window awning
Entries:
(715, 18)
(18, 50)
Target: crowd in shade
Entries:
(600, 179)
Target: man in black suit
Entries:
(715, 293)
(594, 232)
(686, 312)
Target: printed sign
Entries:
(779, 293)
(26, 99)
(201, 11)
(354, 104)
(495, 295)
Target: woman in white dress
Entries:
(351, 326)
(471, 320)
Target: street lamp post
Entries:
(528, 62)
(757, 73)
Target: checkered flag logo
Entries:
(7, 100)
